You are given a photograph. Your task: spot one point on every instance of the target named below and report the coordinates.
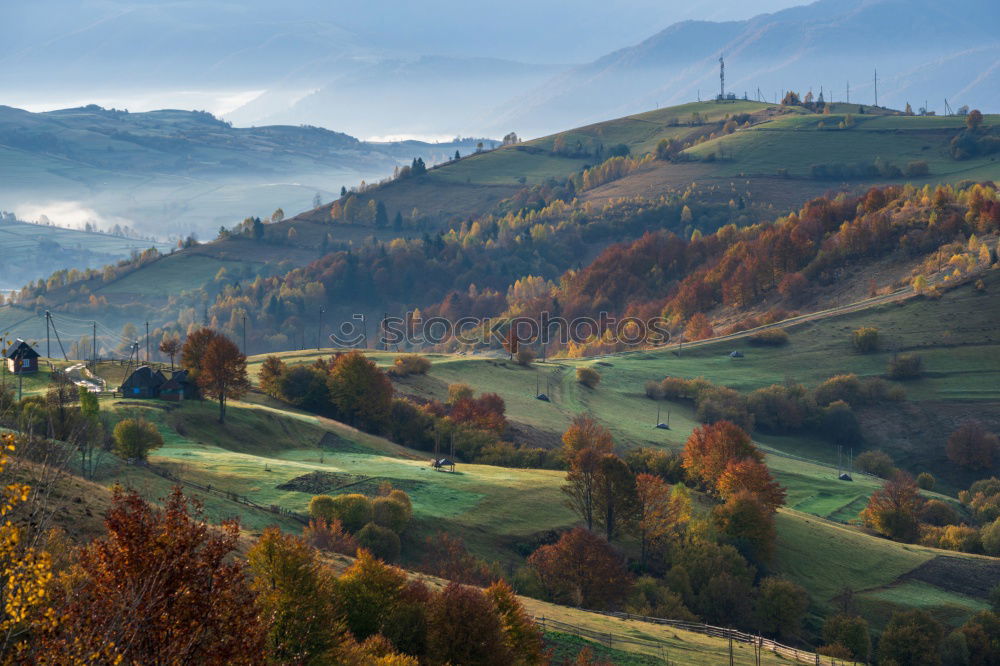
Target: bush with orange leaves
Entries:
(159, 588)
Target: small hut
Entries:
(143, 383)
(21, 358)
(442, 464)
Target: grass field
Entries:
(497, 511)
(796, 142)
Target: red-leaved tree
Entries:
(581, 569)
(160, 588)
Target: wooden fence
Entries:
(759, 643)
(225, 494)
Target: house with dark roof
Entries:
(143, 383)
(21, 359)
(178, 387)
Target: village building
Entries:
(21, 358)
(143, 383)
(146, 382)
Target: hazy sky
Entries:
(218, 54)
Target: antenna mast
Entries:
(876, 87)
(722, 78)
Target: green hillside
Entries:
(792, 144)
(35, 251)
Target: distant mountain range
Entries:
(923, 50)
(175, 172)
(437, 67)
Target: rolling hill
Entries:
(922, 51)
(36, 251)
(770, 163)
(170, 173)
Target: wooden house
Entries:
(21, 358)
(178, 387)
(143, 383)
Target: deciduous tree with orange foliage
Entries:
(463, 627)
(360, 391)
(586, 433)
(581, 569)
(159, 588)
(710, 449)
(972, 446)
(894, 508)
(698, 327)
(661, 513)
(194, 349)
(485, 412)
(615, 495)
(223, 372)
(520, 634)
(749, 523)
(751, 476)
(585, 443)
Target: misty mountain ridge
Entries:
(922, 49)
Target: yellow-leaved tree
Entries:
(25, 572)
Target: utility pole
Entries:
(876, 87)
(147, 343)
(244, 333)
(93, 357)
(48, 351)
(364, 329)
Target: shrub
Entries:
(847, 388)
(135, 438)
(849, 632)
(917, 169)
(962, 538)
(781, 605)
(772, 337)
(458, 392)
(382, 542)
(876, 462)
(865, 339)
(304, 386)
(926, 481)
(329, 536)
(840, 424)
(983, 497)
(938, 513)
(524, 356)
(652, 598)
(353, 511)
(321, 506)
(905, 366)
(654, 390)
(990, 536)
(781, 408)
(972, 446)
(411, 364)
(387, 512)
(724, 404)
(588, 377)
